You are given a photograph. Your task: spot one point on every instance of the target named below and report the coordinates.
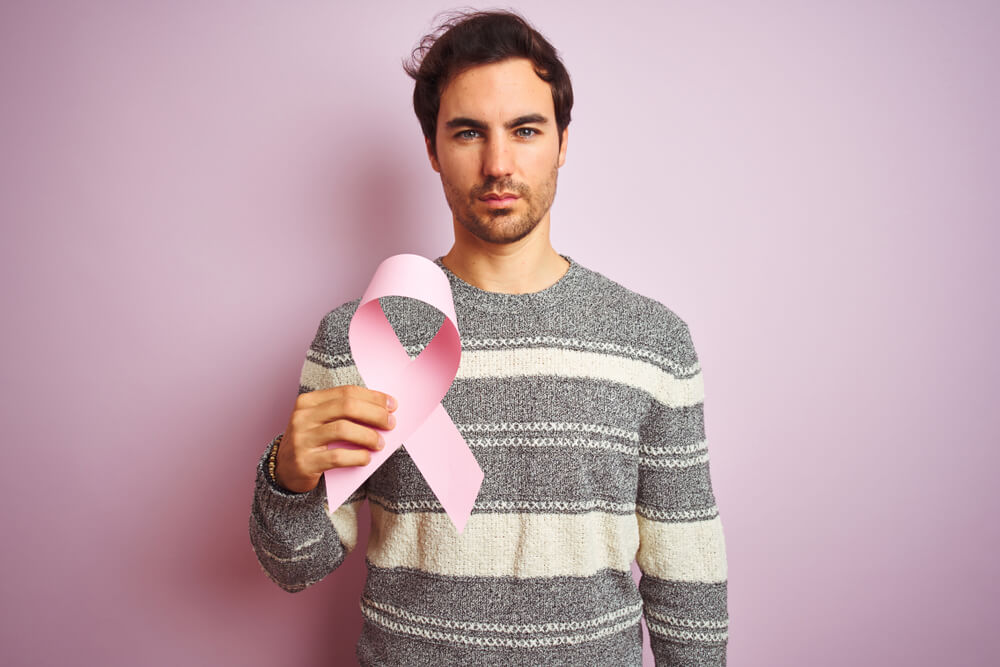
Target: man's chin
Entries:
(504, 238)
(496, 230)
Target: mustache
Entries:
(505, 184)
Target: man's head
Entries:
(494, 101)
(482, 38)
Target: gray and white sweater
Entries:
(583, 404)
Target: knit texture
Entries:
(584, 405)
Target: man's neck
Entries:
(528, 265)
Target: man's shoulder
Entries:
(331, 334)
(611, 296)
(414, 321)
(635, 317)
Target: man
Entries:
(581, 400)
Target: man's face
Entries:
(498, 150)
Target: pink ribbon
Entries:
(432, 440)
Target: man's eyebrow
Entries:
(462, 121)
(529, 119)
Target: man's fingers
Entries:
(344, 457)
(343, 430)
(353, 409)
(313, 398)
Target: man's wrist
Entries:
(274, 476)
(271, 469)
(272, 461)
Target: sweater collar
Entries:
(467, 295)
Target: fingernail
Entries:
(390, 402)
(381, 442)
(392, 421)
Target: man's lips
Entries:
(499, 199)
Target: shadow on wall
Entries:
(384, 194)
(204, 558)
(377, 212)
(379, 204)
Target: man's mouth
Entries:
(499, 199)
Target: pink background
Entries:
(188, 187)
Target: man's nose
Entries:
(498, 161)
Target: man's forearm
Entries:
(297, 543)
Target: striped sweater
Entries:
(583, 404)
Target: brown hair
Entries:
(478, 38)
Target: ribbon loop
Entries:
(432, 439)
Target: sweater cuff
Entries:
(285, 514)
(669, 654)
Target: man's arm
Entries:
(297, 541)
(297, 538)
(682, 552)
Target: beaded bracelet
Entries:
(272, 459)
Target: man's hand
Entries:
(338, 414)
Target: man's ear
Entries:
(562, 147)
(431, 156)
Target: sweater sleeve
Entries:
(682, 552)
(297, 539)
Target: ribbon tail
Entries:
(447, 464)
(342, 482)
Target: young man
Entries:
(581, 400)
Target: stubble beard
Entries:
(502, 225)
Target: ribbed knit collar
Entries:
(469, 296)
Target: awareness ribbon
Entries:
(432, 440)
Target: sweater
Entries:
(583, 404)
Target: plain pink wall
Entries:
(188, 187)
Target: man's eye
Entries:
(468, 134)
(526, 132)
